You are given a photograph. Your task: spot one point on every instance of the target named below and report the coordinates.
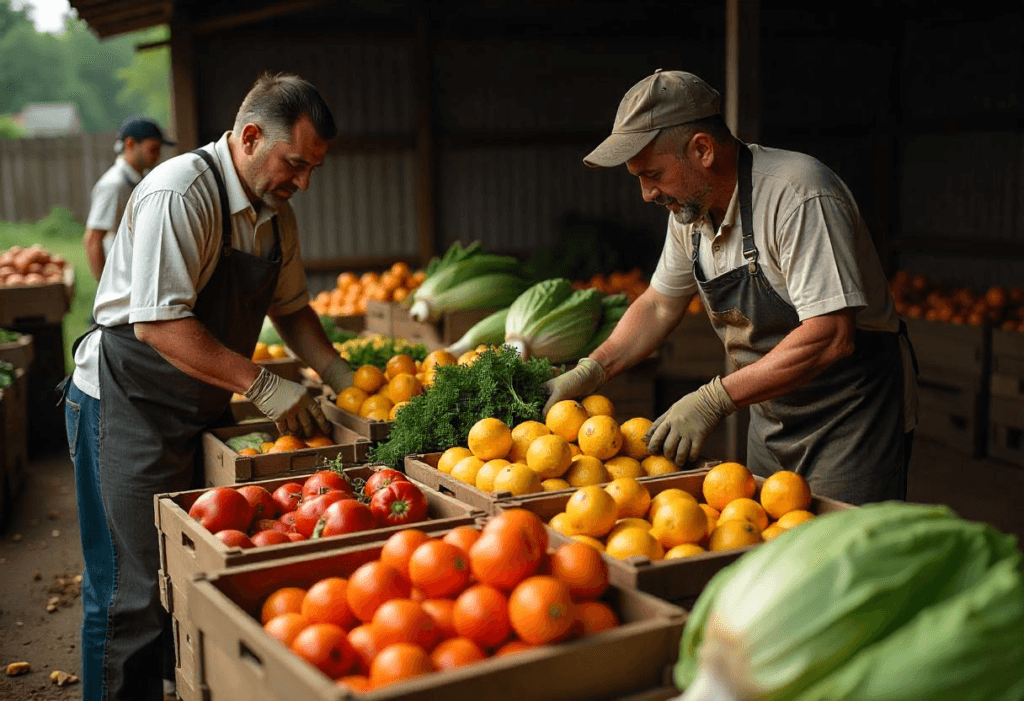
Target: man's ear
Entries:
(702, 149)
(250, 138)
(129, 143)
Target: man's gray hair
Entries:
(277, 101)
(678, 137)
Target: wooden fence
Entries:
(38, 174)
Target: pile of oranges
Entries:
(579, 444)
(286, 443)
(431, 604)
(920, 297)
(269, 351)
(631, 284)
(623, 519)
(351, 292)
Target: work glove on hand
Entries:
(584, 379)
(287, 403)
(338, 375)
(680, 432)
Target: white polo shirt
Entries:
(813, 248)
(170, 244)
(109, 198)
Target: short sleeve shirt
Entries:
(170, 244)
(109, 198)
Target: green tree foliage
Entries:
(107, 80)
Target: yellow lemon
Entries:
(585, 470)
(488, 471)
(632, 498)
(450, 457)
(549, 456)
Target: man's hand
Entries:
(584, 379)
(287, 403)
(338, 375)
(680, 432)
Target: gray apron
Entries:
(152, 418)
(843, 431)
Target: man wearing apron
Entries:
(773, 243)
(208, 246)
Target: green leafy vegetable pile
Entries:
(8, 336)
(498, 384)
(6, 374)
(378, 350)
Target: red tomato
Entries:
(286, 524)
(222, 508)
(381, 479)
(234, 538)
(324, 481)
(270, 538)
(262, 524)
(399, 503)
(295, 537)
(309, 512)
(288, 496)
(262, 501)
(347, 516)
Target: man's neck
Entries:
(237, 152)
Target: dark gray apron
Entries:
(152, 417)
(843, 431)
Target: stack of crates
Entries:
(1006, 407)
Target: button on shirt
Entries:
(170, 246)
(109, 198)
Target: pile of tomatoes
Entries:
(324, 504)
(431, 604)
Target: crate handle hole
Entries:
(187, 543)
(445, 490)
(245, 653)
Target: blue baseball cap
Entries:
(140, 129)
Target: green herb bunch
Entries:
(378, 351)
(6, 374)
(498, 384)
(7, 336)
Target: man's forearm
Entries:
(188, 345)
(301, 331)
(642, 329)
(94, 251)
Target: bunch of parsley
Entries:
(498, 384)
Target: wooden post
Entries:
(743, 68)
(184, 113)
(426, 210)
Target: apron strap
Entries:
(745, 178)
(225, 212)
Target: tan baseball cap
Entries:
(665, 99)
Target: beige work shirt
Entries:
(109, 198)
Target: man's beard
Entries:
(689, 211)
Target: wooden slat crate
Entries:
(633, 392)
(379, 317)
(1006, 430)
(441, 334)
(13, 442)
(953, 412)
(1007, 364)
(944, 348)
(374, 431)
(45, 303)
(18, 353)
(692, 350)
(237, 654)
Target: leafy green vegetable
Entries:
(498, 384)
(268, 334)
(334, 334)
(6, 374)
(7, 336)
(378, 350)
(250, 440)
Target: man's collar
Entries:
(133, 175)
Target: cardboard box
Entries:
(187, 550)
(18, 353)
(1006, 430)
(423, 468)
(692, 350)
(953, 411)
(238, 654)
(375, 431)
(680, 579)
(46, 302)
(944, 348)
(1007, 364)
(223, 466)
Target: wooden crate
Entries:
(379, 317)
(953, 412)
(375, 431)
(45, 303)
(441, 334)
(1006, 430)
(355, 323)
(289, 368)
(45, 417)
(243, 409)
(18, 353)
(188, 550)
(13, 442)
(633, 392)
(223, 466)
(238, 654)
(692, 350)
(679, 579)
(423, 468)
(1007, 365)
(943, 348)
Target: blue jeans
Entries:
(82, 419)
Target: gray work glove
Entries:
(680, 432)
(338, 375)
(582, 380)
(288, 404)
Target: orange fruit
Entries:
(554, 484)
(684, 550)
(286, 443)
(266, 446)
(489, 439)
(404, 387)
(355, 682)
(378, 414)
(437, 359)
(451, 457)
(350, 399)
(575, 450)
(712, 515)
(371, 585)
(398, 365)
(466, 470)
(374, 406)
(560, 522)
(468, 358)
(442, 611)
(633, 443)
(399, 548)
(548, 456)
(592, 511)
(326, 647)
(368, 378)
(517, 479)
(585, 470)
(481, 615)
(510, 548)
(629, 522)
(249, 452)
(734, 534)
(393, 414)
(594, 617)
(600, 436)
(745, 509)
(667, 495)
(285, 627)
(283, 600)
(522, 521)
(439, 569)
(772, 532)
(484, 480)
(630, 542)
(456, 652)
(326, 602)
(623, 466)
(794, 518)
(319, 441)
(598, 405)
(462, 537)
(398, 662)
(523, 434)
(260, 352)
(565, 418)
(589, 541)
(404, 621)
(541, 610)
(678, 521)
(631, 497)
(512, 647)
(654, 465)
(728, 481)
(581, 568)
(783, 492)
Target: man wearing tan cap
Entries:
(775, 246)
